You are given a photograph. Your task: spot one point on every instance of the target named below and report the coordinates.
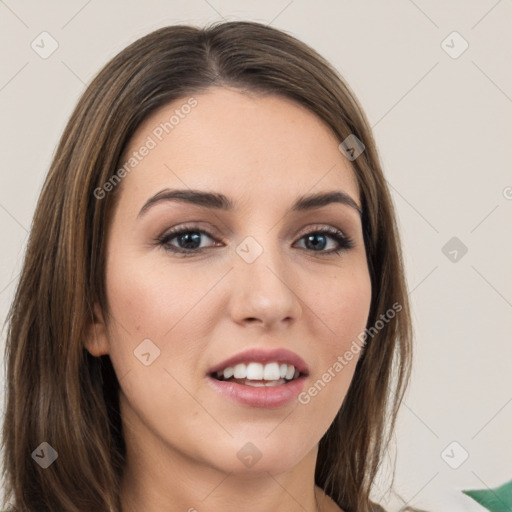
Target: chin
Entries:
(259, 455)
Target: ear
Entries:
(96, 339)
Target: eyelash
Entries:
(344, 242)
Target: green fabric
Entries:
(498, 499)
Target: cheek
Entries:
(341, 309)
(148, 299)
(341, 304)
(148, 302)
(351, 306)
(155, 302)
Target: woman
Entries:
(212, 313)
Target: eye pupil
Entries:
(311, 237)
(190, 238)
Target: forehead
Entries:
(245, 144)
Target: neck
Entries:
(162, 477)
(152, 484)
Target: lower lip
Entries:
(270, 397)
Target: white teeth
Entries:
(240, 371)
(271, 372)
(257, 371)
(254, 371)
(269, 384)
(228, 372)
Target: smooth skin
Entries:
(182, 437)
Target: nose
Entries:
(262, 290)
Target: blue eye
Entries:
(188, 240)
(311, 240)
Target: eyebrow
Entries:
(218, 201)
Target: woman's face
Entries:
(260, 275)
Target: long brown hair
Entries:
(56, 391)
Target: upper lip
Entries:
(258, 355)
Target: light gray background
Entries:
(443, 126)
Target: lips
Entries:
(258, 355)
(251, 392)
(273, 397)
